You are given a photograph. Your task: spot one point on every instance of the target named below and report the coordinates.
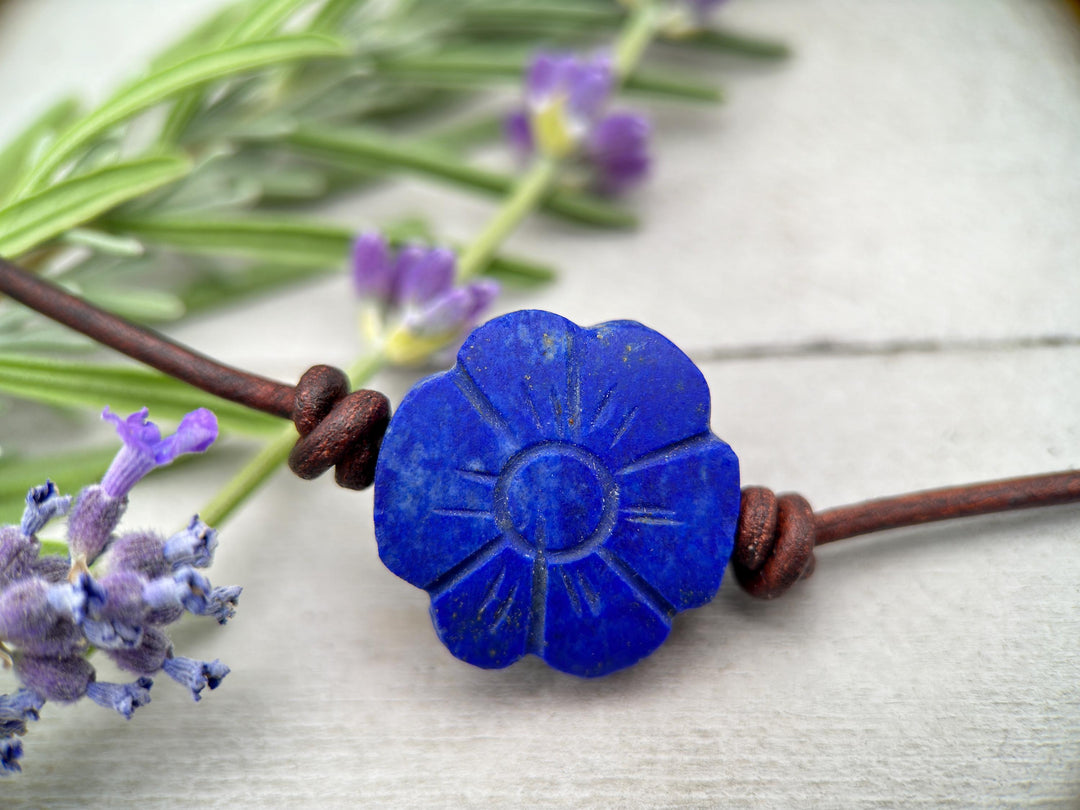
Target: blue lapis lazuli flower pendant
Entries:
(558, 492)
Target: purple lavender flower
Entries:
(54, 609)
(414, 308)
(10, 753)
(195, 675)
(562, 118)
(144, 449)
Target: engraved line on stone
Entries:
(527, 391)
(571, 591)
(646, 593)
(465, 568)
(557, 413)
(480, 401)
(478, 476)
(483, 514)
(573, 387)
(663, 454)
(504, 609)
(538, 608)
(603, 412)
(492, 592)
(648, 511)
(592, 598)
(650, 520)
(625, 426)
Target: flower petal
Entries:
(435, 481)
(598, 619)
(483, 615)
(640, 393)
(525, 365)
(677, 515)
(372, 270)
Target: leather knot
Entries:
(337, 428)
(774, 542)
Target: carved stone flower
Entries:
(558, 492)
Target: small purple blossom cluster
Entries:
(114, 592)
(415, 307)
(563, 117)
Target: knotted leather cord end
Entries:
(337, 428)
(774, 542)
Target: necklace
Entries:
(558, 492)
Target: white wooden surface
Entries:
(912, 175)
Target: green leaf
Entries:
(478, 66)
(358, 149)
(716, 39)
(36, 219)
(15, 155)
(148, 306)
(104, 242)
(331, 16)
(123, 388)
(195, 72)
(264, 18)
(284, 241)
(273, 239)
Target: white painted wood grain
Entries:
(911, 174)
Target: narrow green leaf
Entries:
(157, 87)
(480, 65)
(69, 471)
(205, 36)
(276, 240)
(264, 18)
(331, 16)
(104, 242)
(261, 20)
(123, 388)
(216, 289)
(147, 306)
(15, 155)
(716, 39)
(36, 219)
(368, 151)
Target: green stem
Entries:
(635, 38)
(272, 456)
(525, 196)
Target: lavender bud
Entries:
(92, 521)
(43, 503)
(141, 552)
(148, 656)
(10, 753)
(193, 546)
(51, 568)
(372, 270)
(122, 697)
(17, 555)
(17, 710)
(63, 679)
(195, 675)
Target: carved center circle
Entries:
(557, 498)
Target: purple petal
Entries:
(197, 431)
(135, 429)
(618, 149)
(519, 133)
(17, 710)
(543, 75)
(445, 315)
(482, 293)
(424, 274)
(589, 84)
(372, 270)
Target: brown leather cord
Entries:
(337, 428)
(776, 535)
